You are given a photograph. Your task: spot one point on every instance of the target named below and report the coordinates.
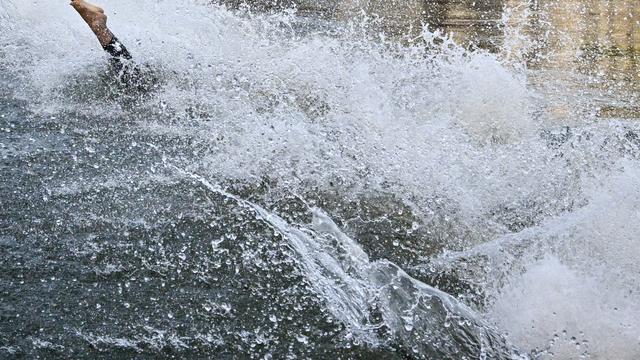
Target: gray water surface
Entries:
(322, 182)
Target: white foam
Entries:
(566, 314)
(586, 286)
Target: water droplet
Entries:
(302, 339)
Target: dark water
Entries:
(299, 186)
(109, 252)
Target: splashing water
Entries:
(302, 186)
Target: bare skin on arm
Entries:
(127, 72)
(96, 19)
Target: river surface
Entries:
(313, 179)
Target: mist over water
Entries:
(306, 182)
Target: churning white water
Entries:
(543, 218)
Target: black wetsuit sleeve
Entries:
(117, 50)
(127, 72)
